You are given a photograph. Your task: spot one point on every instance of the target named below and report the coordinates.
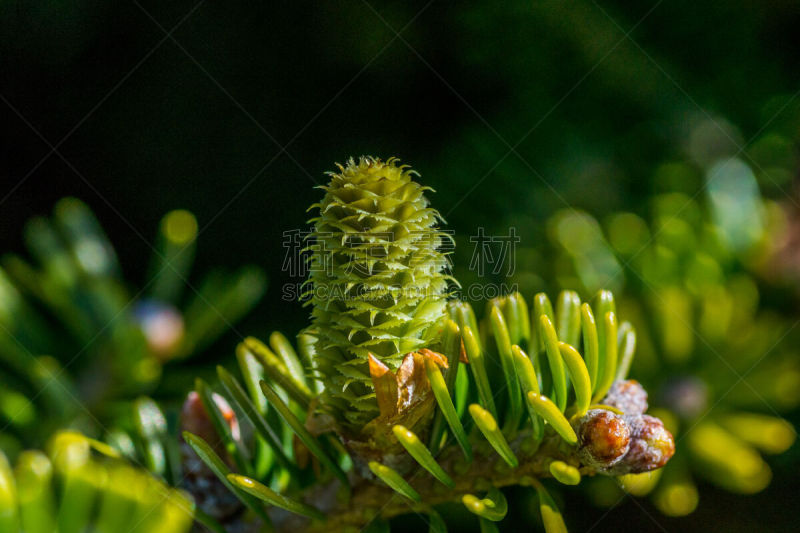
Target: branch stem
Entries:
(370, 498)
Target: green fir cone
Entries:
(377, 281)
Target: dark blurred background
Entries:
(509, 110)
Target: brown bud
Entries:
(209, 493)
(603, 438)
(196, 420)
(628, 396)
(651, 445)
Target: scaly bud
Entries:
(651, 445)
(628, 396)
(623, 444)
(603, 438)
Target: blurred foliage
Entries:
(81, 485)
(78, 343)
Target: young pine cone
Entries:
(377, 279)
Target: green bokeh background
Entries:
(235, 110)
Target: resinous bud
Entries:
(623, 444)
(652, 445)
(603, 438)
